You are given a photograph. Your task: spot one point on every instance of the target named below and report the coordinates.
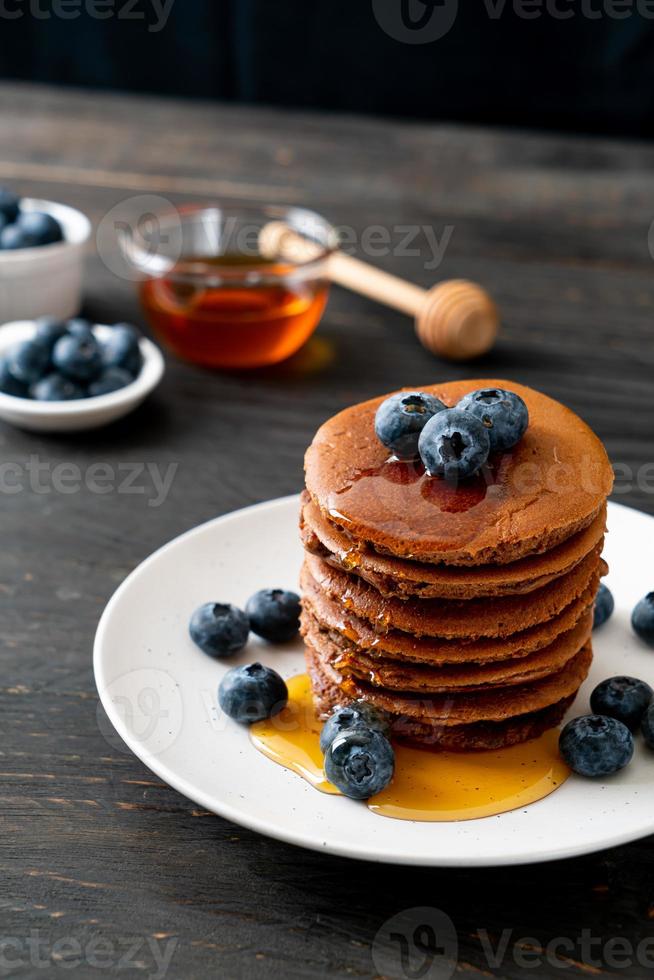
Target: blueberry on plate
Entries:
(8, 383)
(604, 606)
(454, 444)
(624, 698)
(252, 693)
(503, 413)
(219, 629)
(56, 388)
(41, 228)
(79, 358)
(360, 763)
(594, 745)
(357, 715)
(28, 360)
(113, 379)
(79, 327)
(642, 619)
(274, 614)
(400, 419)
(9, 205)
(13, 237)
(49, 330)
(121, 349)
(647, 727)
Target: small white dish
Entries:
(159, 692)
(45, 281)
(82, 413)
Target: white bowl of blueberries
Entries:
(41, 257)
(66, 375)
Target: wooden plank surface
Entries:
(94, 846)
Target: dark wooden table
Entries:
(102, 863)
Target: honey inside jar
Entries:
(234, 325)
(214, 299)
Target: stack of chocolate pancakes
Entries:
(464, 611)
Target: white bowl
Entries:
(45, 281)
(82, 413)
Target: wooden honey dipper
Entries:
(455, 319)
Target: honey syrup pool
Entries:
(427, 785)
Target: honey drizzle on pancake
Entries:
(407, 499)
(427, 786)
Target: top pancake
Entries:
(547, 488)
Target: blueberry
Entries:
(56, 388)
(642, 619)
(503, 413)
(350, 717)
(14, 237)
(41, 228)
(49, 330)
(121, 349)
(219, 629)
(401, 418)
(252, 693)
(647, 726)
(604, 606)
(79, 358)
(8, 383)
(454, 444)
(274, 614)
(28, 361)
(113, 379)
(624, 698)
(79, 327)
(9, 205)
(594, 745)
(360, 763)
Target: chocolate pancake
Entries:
(494, 704)
(396, 645)
(552, 485)
(455, 619)
(476, 736)
(351, 661)
(403, 578)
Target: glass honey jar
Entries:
(210, 294)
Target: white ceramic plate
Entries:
(82, 413)
(159, 691)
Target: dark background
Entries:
(583, 65)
